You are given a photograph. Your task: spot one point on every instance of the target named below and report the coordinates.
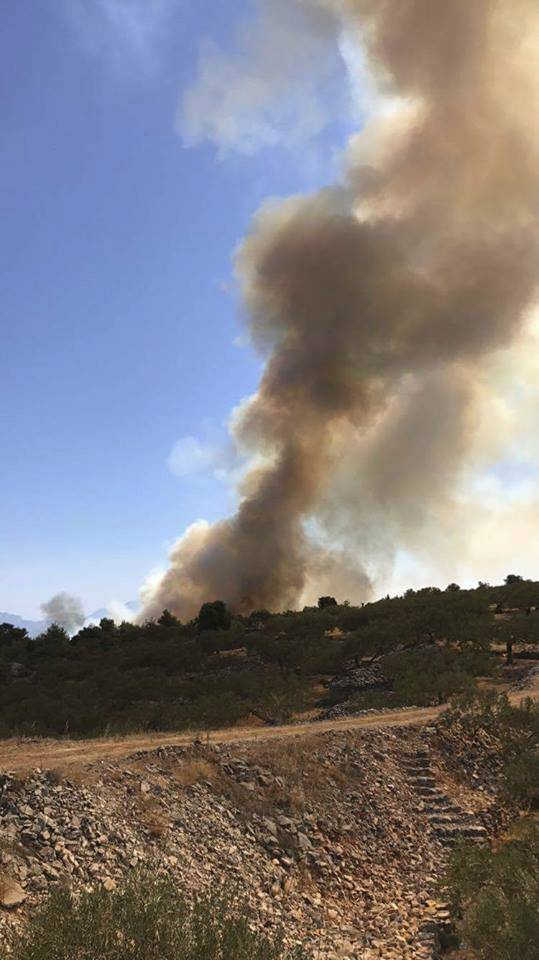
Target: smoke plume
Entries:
(378, 303)
(65, 610)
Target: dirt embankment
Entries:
(329, 834)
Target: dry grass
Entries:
(298, 772)
(192, 771)
(152, 816)
(298, 764)
(76, 774)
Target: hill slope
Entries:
(328, 835)
(268, 668)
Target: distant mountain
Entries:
(35, 627)
(97, 615)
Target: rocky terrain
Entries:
(339, 837)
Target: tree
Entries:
(513, 578)
(452, 587)
(10, 634)
(53, 642)
(521, 628)
(259, 617)
(214, 616)
(324, 602)
(128, 631)
(54, 634)
(495, 894)
(167, 619)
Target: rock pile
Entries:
(323, 835)
(528, 680)
(356, 678)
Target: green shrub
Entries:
(147, 919)
(516, 728)
(221, 667)
(214, 616)
(427, 676)
(521, 780)
(494, 896)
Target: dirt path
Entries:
(21, 755)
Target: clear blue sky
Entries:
(118, 310)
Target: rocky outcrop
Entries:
(356, 678)
(11, 893)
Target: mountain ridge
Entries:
(35, 627)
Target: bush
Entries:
(326, 602)
(521, 780)
(494, 896)
(513, 578)
(214, 616)
(517, 731)
(147, 919)
(431, 675)
(259, 616)
(167, 675)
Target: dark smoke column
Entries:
(413, 271)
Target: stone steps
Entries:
(426, 791)
(438, 800)
(440, 819)
(448, 821)
(424, 781)
(455, 832)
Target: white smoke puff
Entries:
(128, 34)
(65, 610)
(120, 612)
(191, 457)
(270, 91)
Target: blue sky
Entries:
(139, 138)
(119, 312)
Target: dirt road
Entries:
(21, 755)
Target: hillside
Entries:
(339, 834)
(340, 837)
(221, 669)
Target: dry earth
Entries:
(337, 831)
(24, 754)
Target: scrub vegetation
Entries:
(222, 669)
(145, 920)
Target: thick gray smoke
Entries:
(376, 302)
(65, 610)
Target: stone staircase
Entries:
(449, 823)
